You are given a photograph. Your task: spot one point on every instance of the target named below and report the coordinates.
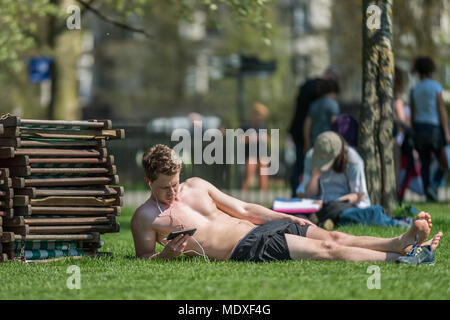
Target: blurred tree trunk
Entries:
(376, 117)
(66, 45)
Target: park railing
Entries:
(128, 155)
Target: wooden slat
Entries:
(6, 203)
(82, 211)
(6, 183)
(48, 143)
(20, 201)
(4, 173)
(85, 124)
(70, 229)
(68, 221)
(18, 183)
(66, 237)
(86, 171)
(30, 192)
(18, 161)
(55, 182)
(14, 121)
(7, 193)
(119, 190)
(20, 171)
(15, 222)
(107, 191)
(12, 132)
(72, 134)
(91, 153)
(11, 121)
(7, 237)
(77, 201)
(22, 230)
(10, 142)
(107, 124)
(7, 152)
(7, 213)
(109, 160)
(22, 211)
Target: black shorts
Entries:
(267, 242)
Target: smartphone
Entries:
(174, 234)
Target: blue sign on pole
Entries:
(40, 69)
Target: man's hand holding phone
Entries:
(177, 243)
(175, 247)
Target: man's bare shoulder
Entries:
(196, 182)
(144, 216)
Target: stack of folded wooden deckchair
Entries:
(57, 192)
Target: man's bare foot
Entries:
(421, 228)
(425, 216)
(434, 242)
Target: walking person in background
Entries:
(306, 95)
(322, 112)
(429, 118)
(407, 167)
(253, 162)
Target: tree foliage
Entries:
(22, 22)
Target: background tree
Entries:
(376, 115)
(39, 28)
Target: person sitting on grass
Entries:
(230, 229)
(334, 174)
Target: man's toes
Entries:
(435, 241)
(423, 216)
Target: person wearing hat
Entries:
(334, 174)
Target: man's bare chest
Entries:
(189, 211)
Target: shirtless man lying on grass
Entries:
(230, 229)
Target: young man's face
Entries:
(165, 188)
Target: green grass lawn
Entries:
(122, 276)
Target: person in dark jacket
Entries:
(306, 95)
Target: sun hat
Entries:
(327, 147)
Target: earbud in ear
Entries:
(150, 186)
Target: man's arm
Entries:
(352, 198)
(313, 187)
(254, 213)
(145, 240)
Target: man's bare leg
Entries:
(301, 248)
(400, 244)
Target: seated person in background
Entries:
(334, 173)
(230, 229)
(322, 112)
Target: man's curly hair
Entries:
(160, 159)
